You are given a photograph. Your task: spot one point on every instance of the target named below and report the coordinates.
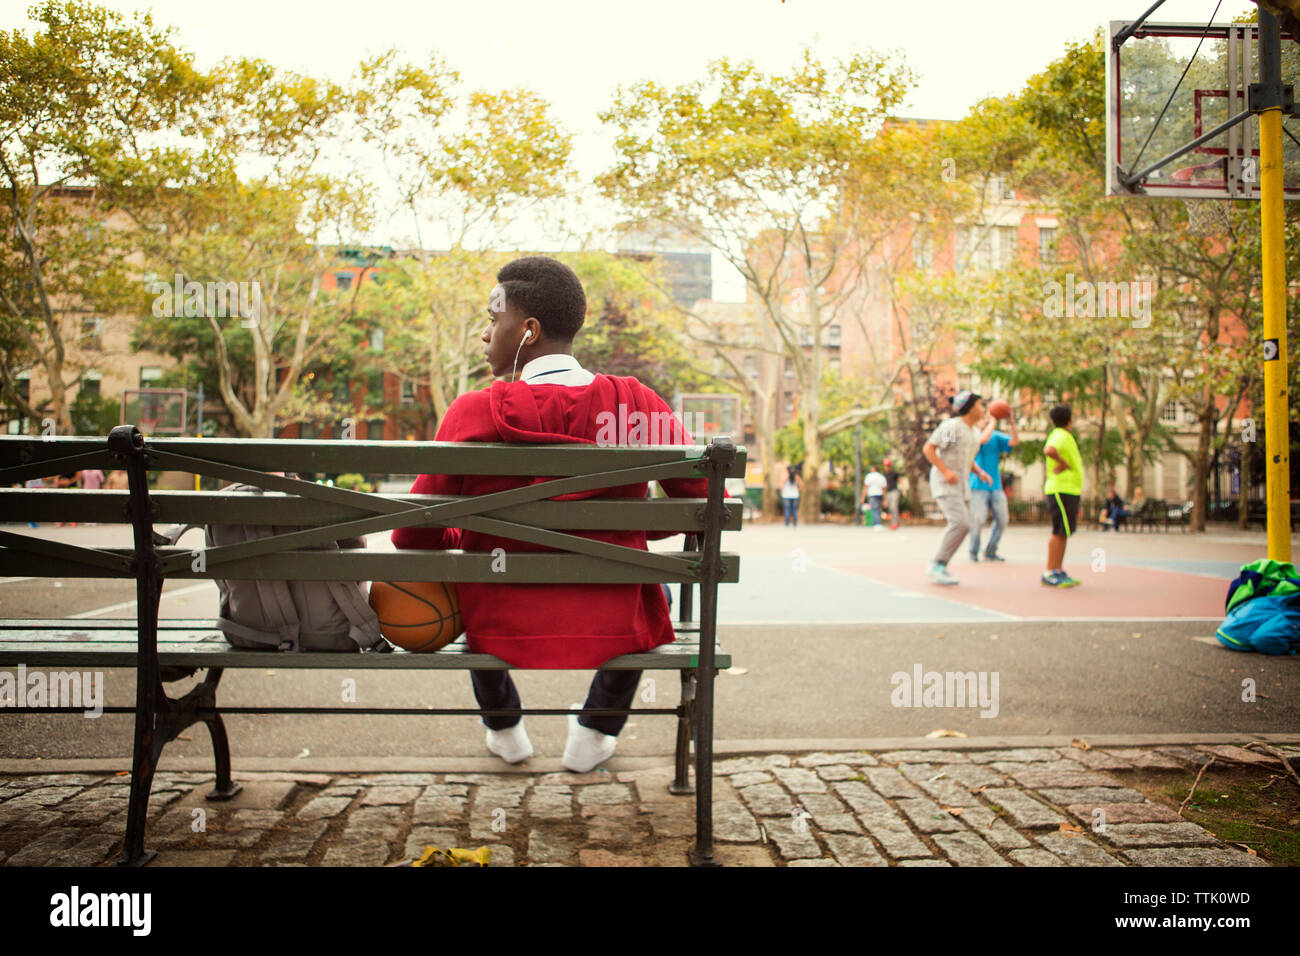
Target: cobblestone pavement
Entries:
(1007, 807)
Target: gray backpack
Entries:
(290, 615)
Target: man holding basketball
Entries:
(988, 496)
(544, 396)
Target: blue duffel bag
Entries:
(1269, 624)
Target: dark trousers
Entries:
(494, 690)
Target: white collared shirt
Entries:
(555, 369)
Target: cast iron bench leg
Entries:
(147, 749)
(148, 741)
(225, 787)
(681, 784)
(702, 853)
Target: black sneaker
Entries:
(994, 557)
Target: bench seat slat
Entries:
(197, 643)
(206, 649)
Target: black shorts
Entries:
(1065, 513)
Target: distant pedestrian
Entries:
(71, 479)
(92, 479)
(1063, 488)
(892, 494)
(951, 454)
(790, 495)
(988, 496)
(873, 493)
(1115, 513)
(34, 483)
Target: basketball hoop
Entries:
(1207, 217)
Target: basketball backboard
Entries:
(708, 416)
(156, 411)
(1173, 91)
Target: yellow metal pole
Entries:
(1277, 439)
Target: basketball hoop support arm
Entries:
(1268, 99)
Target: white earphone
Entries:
(515, 373)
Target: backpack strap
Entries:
(364, 629)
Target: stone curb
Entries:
(617, 764)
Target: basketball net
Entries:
(1207, 217)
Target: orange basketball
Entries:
(999, 408)
(420, 616)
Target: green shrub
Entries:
(353, 481)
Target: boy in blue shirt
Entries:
(986, 496)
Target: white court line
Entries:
(126, 604)
(14, 580)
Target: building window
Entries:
(973, 248)
(375, 429)
(833, 335)
(789, 403)
(789, 368)
(981, 250)
(376, 340)
(1008, 245)
(308, 430)
(344, 280)
(408, 392)
(89, 385)
(149, 374)
(751, 366)
(1002, 188)
(24, 382)
(835, 365)
(922, 251)
(1047, 244)
(92, 334)
(1169, 414)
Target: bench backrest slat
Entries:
(232, 507)
(367, 457)
(528, 567)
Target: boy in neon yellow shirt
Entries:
(1063, 488)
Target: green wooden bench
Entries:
(163, 651)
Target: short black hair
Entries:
(547, 290)
(1060, 415)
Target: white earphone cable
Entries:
(514, 374)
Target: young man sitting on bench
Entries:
(544, 396)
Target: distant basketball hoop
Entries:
(155, 411)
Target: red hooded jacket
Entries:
(561, 626)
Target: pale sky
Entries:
(575, 52)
